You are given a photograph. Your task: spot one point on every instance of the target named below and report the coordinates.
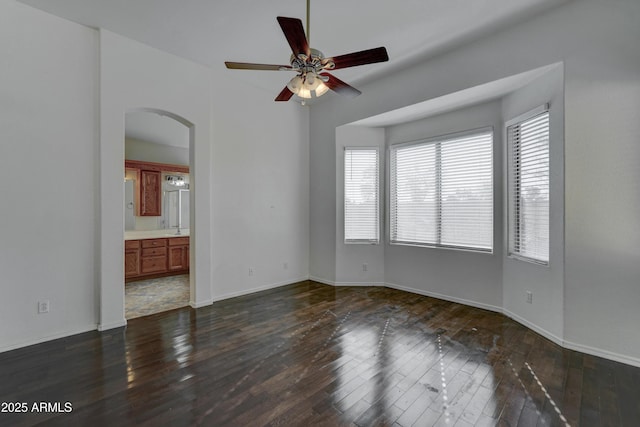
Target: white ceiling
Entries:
(212, 31)
(453, 101)
(156, 128)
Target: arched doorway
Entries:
(157, 199)
(110, 208)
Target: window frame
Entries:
(443, 138)
(510, 215)
(378, 195)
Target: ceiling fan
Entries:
(312, 79)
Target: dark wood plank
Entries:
(311, 354)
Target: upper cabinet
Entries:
(148, 184)
(150, 190)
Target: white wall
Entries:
(322, 192)
(48, 163)
(133, 77)
(65, 91)
(249, 165)
(602, 176)
(464, 276)
(135, 149)
(597, 41)
(546, 282)
(260, 187)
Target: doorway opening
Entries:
(157, 214)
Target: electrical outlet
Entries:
(285, 265)
(43, 306)
(250, 271)
(529, 297)
(365, 267)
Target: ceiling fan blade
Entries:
(354, 59)
(250, 66)
(294, 32)
(339, 86)
(285, 95)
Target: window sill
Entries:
(451, 248)
(529, 260)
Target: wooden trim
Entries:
(159, 167)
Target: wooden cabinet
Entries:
(148, 187)
(156, 257)
(178, 253)
(150, 193)
(131, 258)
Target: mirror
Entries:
(157, 139)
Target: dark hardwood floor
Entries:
(310, 354)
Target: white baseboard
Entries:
(446, 297)
(198, 304)
(628, 360)
(321, 280)
(112, 325)
(552, 337)
(605, 354)
(548, 335)
(46, 338)
(379, 284)
(258, 289)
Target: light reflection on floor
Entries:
(547, 395)
(388, 365)
(321, 349)
(445, 396)
(366, 345)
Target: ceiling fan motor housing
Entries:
(314, 63)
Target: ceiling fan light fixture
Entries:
(307, 86)
(320, 90)
(295, 84)
(310, 82)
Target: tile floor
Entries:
(145, 297)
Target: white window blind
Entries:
(442, 192)
(529, 188)
(361, 195)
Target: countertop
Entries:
(155, 234)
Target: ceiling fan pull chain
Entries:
(309, 22)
